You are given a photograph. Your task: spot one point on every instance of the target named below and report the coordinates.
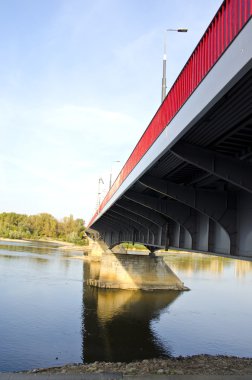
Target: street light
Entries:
(100, 183)
(110, 174)
(180, 30)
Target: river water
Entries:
(48, 317)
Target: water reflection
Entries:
(35, 253)
(49, 317)
(21, 258)
(191, 263)
(242, 268)
(31, 247)
(116, 323)
(41, 305)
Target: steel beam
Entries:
(122, 219)
(172, 209)
(150, 215)
(218, 205)
(232, 170)
(140, 210)
(114, 225)
(133, 228)
(133, 218)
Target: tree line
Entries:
(21, 226)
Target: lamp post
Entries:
(180, 30)
(110, 174)
(100, 183)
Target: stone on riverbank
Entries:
(191, 365)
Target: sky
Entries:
(80, 80)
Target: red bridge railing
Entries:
(225, 26)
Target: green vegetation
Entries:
(135, 246)
(21, 226)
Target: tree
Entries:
(21, 226)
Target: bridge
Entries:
(188, 182)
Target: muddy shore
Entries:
(191, 365)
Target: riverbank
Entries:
(191, 365)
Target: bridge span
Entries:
(188, 182)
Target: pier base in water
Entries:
(120, 271)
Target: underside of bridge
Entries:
(197, 193)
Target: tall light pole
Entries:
(180, 30)
(110, 174)
(100, 183)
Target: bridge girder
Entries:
(141, 211)
(144, 223)
(220, 206)
(179, 213)
(137, 227)
(115, 223)
(150, 215)
(133, 217)
(109, 225)
(108, 221)
(231, 170)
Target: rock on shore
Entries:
(193, 365)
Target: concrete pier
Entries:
(127, 271)
(95, 249)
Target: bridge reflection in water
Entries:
(191, 263)
(117, 323)
(43, 300)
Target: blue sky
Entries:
(79, 82)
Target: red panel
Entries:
(222, 28)
(227, 23)
(240, 15)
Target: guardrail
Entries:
(225, 26)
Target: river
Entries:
(48, 317)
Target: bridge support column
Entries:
(174, 241)
(218, 239)
(185, 239)
(244, 237)
(202, 232)
(120, 271)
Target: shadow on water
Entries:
(117, 323)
